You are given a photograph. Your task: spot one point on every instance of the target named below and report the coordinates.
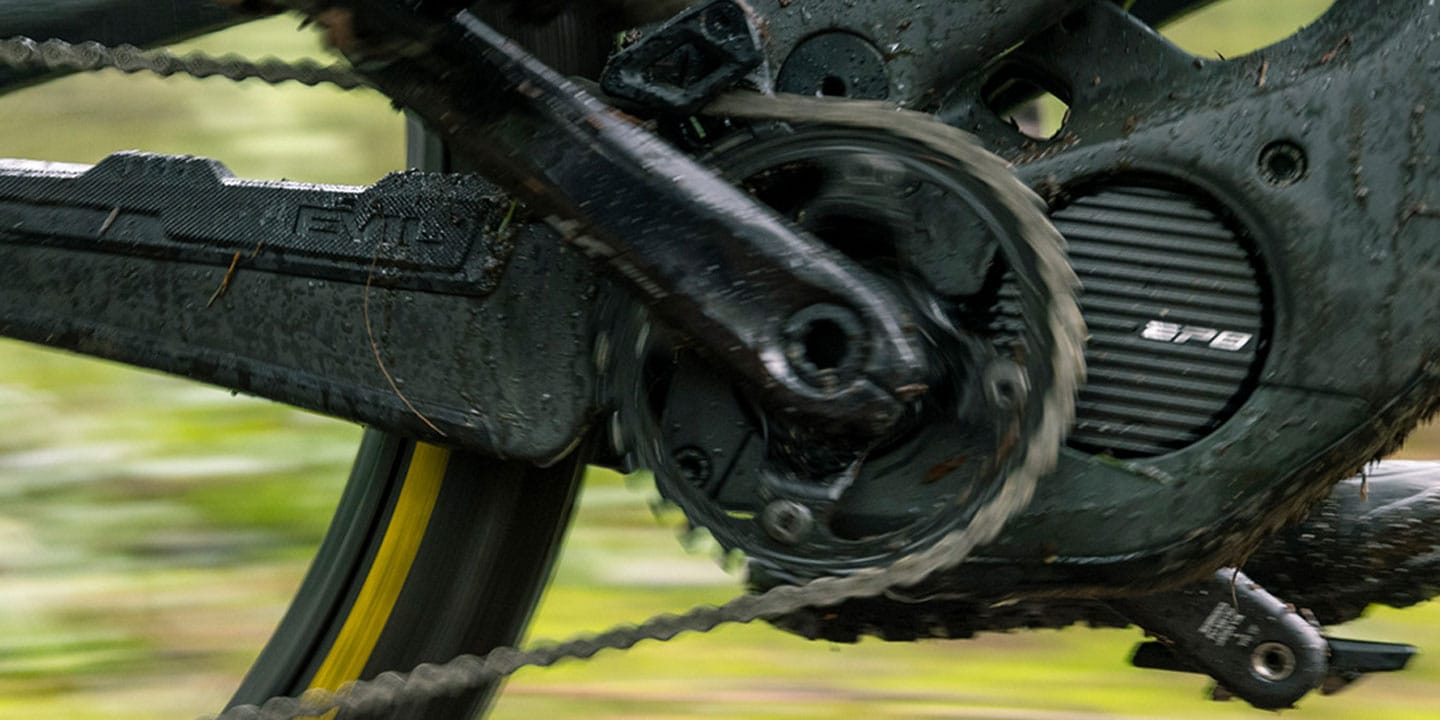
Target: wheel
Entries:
(432, 553)
(392, 478)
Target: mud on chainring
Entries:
(942, 220)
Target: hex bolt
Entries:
(694, 465)
(823, 344)
(787, 521)
(722, 19)
(1006, 385)
(1282, 163)
(1272, 661)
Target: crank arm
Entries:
(1254, 645)
(742, 284)
(419, 305)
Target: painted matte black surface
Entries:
(702, 254)
(1346, 260)
(835, 64)
(1348, 661)
(1374, 537)
(1340, 255)
(1369, 543)
(1345, 250)
(915, 220)
(500, 522)
(497, 363)
(1351, 660)
(410, 231)
(1220, 625)
(926, 47)
(688, 60)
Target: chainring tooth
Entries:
(1061, 330)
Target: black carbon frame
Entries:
(383, 262)
(1345, 245)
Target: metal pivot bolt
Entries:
(823, 344)
(694, 465)
(1006, 385)
(1272, 661)
(787, 521)
(1282, 163)
(1253, 644)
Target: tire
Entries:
(432, 553)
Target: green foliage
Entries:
(615, 568)
(1233, 28)
(308, 134)
(152, 530)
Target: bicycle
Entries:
(550, 503)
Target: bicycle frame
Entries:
(254, 340)
(1336, 389)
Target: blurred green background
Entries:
(152, 530)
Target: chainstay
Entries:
(393, 691)
(23, 52)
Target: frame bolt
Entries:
(787, 521)
(1272, 661)
(824, 344)
(1282, 163)
(694, 465)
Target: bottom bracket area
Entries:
(802, 502)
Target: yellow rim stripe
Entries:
(378, 594)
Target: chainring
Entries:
(942, 221)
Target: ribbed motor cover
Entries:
(1175, 310)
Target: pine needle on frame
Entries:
(375, 348)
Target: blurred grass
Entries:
(307, 134)
(151, 531)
